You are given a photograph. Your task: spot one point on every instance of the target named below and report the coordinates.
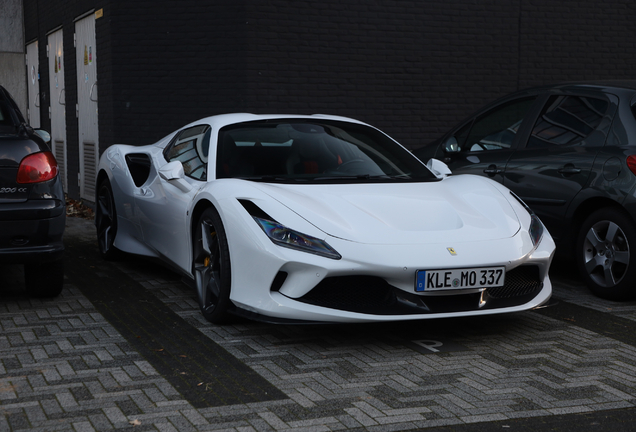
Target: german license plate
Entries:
(484, 277)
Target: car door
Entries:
(484, 144)
(163, 202)
(555, 161)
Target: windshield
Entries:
(293, 150)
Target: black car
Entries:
(569, 151)
(32, 203)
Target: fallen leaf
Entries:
(78, 209)
(158, 349)
(135, 422)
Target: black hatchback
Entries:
(32, 203)
(569, 151)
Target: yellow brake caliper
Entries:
(206, 260)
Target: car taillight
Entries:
(631, 163)
(37, 167)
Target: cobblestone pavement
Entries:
(65, 366)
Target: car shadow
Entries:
(563, 269)
(12, 282)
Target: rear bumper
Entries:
(32, 231)
(31, 210)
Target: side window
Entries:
(454, 143)
(567, 120)
(5, 118)
(191, 146)
(496, 129)
(7, 125)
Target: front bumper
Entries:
(377, 282)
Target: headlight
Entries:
(536, 226)
(536, 229)
(289, 238)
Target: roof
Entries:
(221, 120)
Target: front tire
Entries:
(606, 254)
(211, 266)
(106, 221)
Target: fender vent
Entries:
(139, 167)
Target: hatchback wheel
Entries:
(606, 254)
(211, 266)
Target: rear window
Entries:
(567, 120)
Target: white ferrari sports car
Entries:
(289, 218)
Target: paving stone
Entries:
(83, 427)
(334, 378)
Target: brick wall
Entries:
(577, 40)
(415, 68)
(173, 63)
(412, 68)
(408, 67)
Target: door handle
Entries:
(492, 170)
(569, 169)
(90, 96)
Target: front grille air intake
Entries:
(373, 295)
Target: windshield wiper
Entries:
(343, 177)
(275, 178)
(271, 178)
(364, 177)
(400, 177)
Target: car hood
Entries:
(456, 209)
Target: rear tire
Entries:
(606, 254)
(44, 280)
(106, 221)
(211, 266)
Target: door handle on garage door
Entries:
(90, 96)
(569, 169)
(492, 170)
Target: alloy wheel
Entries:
(105, 217)
(207, 267)
(606, 253)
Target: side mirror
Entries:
(172, 172)
(439, 168)
(451, 145)
(44, 135)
